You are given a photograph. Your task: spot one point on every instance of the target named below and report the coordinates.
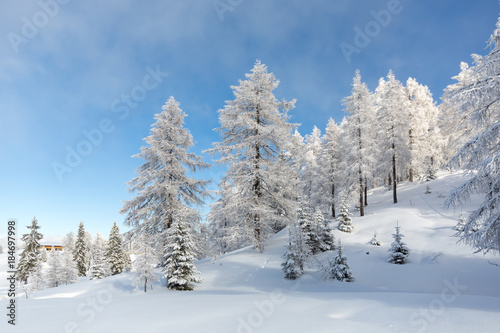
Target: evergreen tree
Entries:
(399, 251)
(326, 238)
(163, 186)
(68, 243)
(37, 278)
(310, 230)
(339, 269)
(461, 223)
(99, 267)
(374, 240)
(359, 155)
(31, 252)
(293, 260)
(477, 103)
(114, 251)
(255, 132)
(54, 276)
(1, 249)
(179, 268)
(69, 271)
(345, 221)
(312, 174)
(80, 251)
(144, 263)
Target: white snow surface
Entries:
(445, 287)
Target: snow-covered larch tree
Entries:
(179, 256)
(479, 104)
(359, 153)
(399, 251)
(69, 271)
(255, 131)
(68, 242)
(99, 267)
(37, 278)
(312, 174)
(31, 252)
(54, 271)
(392, 117)
(144, 263)
(329, 161)
(163, 186)
(80, 251)
(114, 251)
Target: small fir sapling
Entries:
(345, 221)
(374, 240)
(339, 269)
(399, 251)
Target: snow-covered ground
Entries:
(443, 288)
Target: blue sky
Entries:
(66, 67)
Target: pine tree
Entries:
(114, 251)
(37, 278)
(292, 259)
(399, 251)
(80, 251)
(374, 240)
(31, 253)
(325, 234)
(310, 230)
(69, 271)
(99, 267)
(54, 272)
(339, 269)
(345, 221)
(461, 223)
(255, 132)
(359, 155)
(180, 271)
(477, 103)
(313, 177)
(144, 263)
(68, 243)
(163, 186)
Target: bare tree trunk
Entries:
(394, 194)
(333, 201)
(257, 188)
(366, 192)
(361, 205)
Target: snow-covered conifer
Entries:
(69, 271)
(344, 218)
(310, 230)
(255, 132)
(339, 269)
(163, 186)
(478, 103)
(329, 160)
(399, 251)
(99, 267)
(180, 271)
(374, 240)
(80, 251)
(114, 251)
(144, 263)
(325, 234)
(359, 154)
(461, 223)
(293, 260)
(54, 271)
(68, 243)
(31, 252)
(37, 278)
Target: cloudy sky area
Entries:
(67, 68)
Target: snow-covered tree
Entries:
(359, 153)
(54, 271)
(344, 218)
(255, 132)
(31, 252)
(163, 186)
(339, 269)
(293, 259)
(325, 234)
(460, 223)
(1, 248)
(68, 242)
(310, 230)
(399, 251)
(99, 267)
(80, 251)
(478, 104)
(312, 174)
(144, 263)
(180, 271)
(37, 278)
(374, 240)
(392, 105)
(69, 271)
(114, 251)
(329, 161)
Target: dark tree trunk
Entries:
(257, 187)
(366, 192)
(361, 204)
(394, 194)
(333, 201)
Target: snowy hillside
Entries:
(443, 288)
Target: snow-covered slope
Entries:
(443, 288)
